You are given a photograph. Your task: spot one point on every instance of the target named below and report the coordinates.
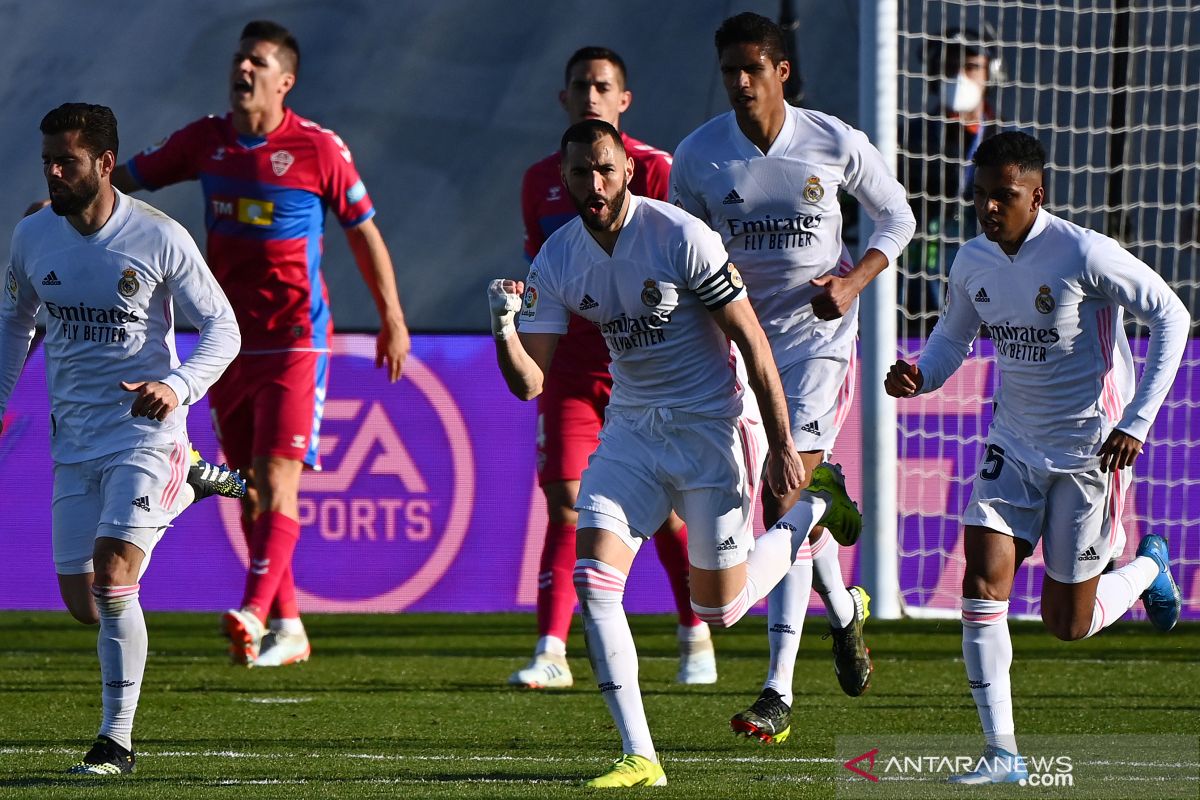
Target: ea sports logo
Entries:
(386, 517)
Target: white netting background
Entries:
(1112, 89)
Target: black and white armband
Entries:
(722, 288)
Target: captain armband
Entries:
(722, 288)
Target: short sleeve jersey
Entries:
(546, 207)
(1055, 314)
(109, 301)
(265, 203)
(650, 301)
(779, 216)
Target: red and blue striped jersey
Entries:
(265, 202)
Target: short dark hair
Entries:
(751, 28)
(1011, 147)
(97, 126)
(592, 53)
(263, 30)
(588, 131)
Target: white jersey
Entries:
(650, 300)
(109, 319)
(1055, 315)
(780, 219)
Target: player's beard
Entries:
(604, 221)
(72, 200)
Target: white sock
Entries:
(693, 633)
(1119, 590)
(828, 581)
(287, 625)
(987, 653)
(550, 645)
(122, 650)
(787, 605)
(601, 589)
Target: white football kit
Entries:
(675, 435)
(779, 217)
(1054, 313)
(108, 298)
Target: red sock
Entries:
(556, 587)
(672, 552)
(284, 605)
(275, 538)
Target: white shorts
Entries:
(819, 392)
(131, 495)
(706, 469)
(1076, 515)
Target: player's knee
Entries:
(1066, 628)
(563, 515)
(983, 587)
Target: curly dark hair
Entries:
(1011, 147)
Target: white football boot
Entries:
(544, 671)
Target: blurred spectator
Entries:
(963, 67)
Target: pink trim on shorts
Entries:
(171, 492)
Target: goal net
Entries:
(1112, 89)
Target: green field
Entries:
(414, 706)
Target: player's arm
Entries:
(1144, 294)
(524, 359)
(870, 182)
(948, 345)
(375, 264)
(18, 313)
(785, 470)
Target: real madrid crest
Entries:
(128, 285)
(735, 277)
(1044, 302)
(813, 190)
(651, 296)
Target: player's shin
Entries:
(987, 655)
(121, 647)
(787, 605)
(601, 590)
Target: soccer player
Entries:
(1069, 421)
(107, 269)
(578, 387)
(268, 176)
(677, 432)
(766, 176)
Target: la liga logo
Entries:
(383, 521)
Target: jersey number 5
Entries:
(993, 462)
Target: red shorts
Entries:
(570, 414)
(266, 405)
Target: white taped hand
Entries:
(505, 303)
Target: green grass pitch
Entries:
(415, 706)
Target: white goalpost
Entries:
(1112, 89)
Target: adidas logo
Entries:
(51, 280)
(587, 303)
(981, 296)
(731, 198)
(1089, 555)
(782, 627)
(728, 544)
(812, 428)
(143, 503)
